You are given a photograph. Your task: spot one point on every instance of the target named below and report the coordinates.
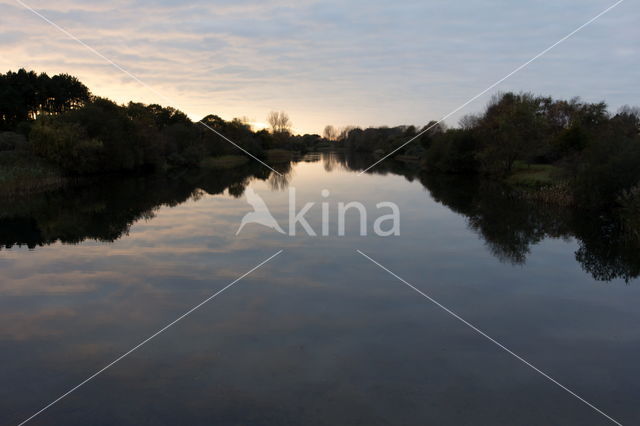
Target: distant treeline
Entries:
(577, 149)
(569, 152)
(58, 120)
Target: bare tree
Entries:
(279, 122)
(330, 133)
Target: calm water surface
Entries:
(319, 335)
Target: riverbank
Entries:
(509, 219)
(22, 173)
(541, 183)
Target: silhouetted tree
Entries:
(280, 122)
(25, 94)
(330, 133)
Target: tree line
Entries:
(588, 155)
(64, 124)
(592, 155)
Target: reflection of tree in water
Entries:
(510, 226)
(606, 251)
(105, 210)
(331, 160)
(357, 162)
(101, 211)
(237, 189)
(280, 181)
(234, 180)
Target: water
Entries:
(319, 335)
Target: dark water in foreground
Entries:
(319, 335)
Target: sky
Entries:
(364, 63)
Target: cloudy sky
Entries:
(329, 62)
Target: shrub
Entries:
(66, 145)
(607, 167)
(453, 152)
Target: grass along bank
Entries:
(23, 173)
(534, 176)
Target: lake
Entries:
(320, 334)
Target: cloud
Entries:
(365, 63)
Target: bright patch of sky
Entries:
(330, 62)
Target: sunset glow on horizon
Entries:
(326, 62)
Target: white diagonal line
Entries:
(494, 85)
(239, 147)
(166, 98)
(492, 340)
(163, 329)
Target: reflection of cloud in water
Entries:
(317, 328)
